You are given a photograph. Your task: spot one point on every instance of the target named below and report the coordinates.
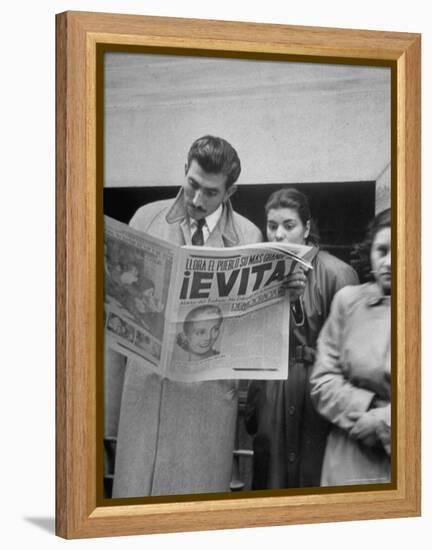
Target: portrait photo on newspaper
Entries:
(247, 274)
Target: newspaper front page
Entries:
(198, 313)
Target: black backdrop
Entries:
(341, 210)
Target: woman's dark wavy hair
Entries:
(290, 197)
(381, 220)
(362, 251)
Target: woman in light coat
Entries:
(350, 381)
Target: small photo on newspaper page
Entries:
(137, 276)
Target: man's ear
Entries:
(186, 168)
(230, 191)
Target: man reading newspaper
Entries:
(176, 437)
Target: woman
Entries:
(290, 435)
(201, 329)
(351, 378)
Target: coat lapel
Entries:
(223, 235)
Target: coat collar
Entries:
(375, 296)
(178, 214)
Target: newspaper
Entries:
(194, 313)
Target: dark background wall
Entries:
(341, 210)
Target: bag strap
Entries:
(302, 351)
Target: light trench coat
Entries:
(173, 437)
(352, 374)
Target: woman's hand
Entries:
(295, 284)
(364, 427)
(372, 427)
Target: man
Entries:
(211, 170)
(174, 437)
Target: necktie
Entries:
(198, 236)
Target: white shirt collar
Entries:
(213, 218)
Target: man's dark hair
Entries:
(215, 155)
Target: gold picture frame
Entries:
(79, 291)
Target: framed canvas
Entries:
(332, 112)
